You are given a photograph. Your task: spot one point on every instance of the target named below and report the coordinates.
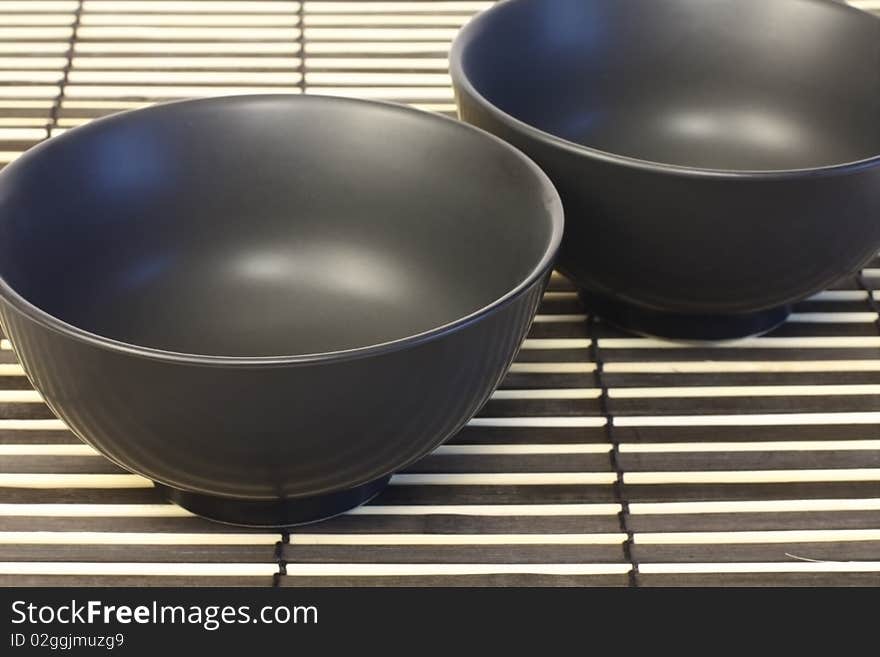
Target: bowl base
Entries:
(273, 513)
(675, 326)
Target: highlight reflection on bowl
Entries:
(269, 304)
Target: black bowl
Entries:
(269, 304)
(717, 161)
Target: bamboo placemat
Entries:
(604, 459)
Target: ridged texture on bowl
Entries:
(682, 242)
(272, 432)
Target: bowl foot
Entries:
(273, 513)
(675, 326)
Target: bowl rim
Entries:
(552, 205)
(466, 35)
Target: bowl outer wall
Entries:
(693, 241)
(273, 431)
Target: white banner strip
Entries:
(33, 425)
(758, 446)
(486, 510)
(20, 397)
(52, 480)
(820, 342)
(407, 569)
(744, 420)
(562, 422)
(25, 449)
(139, 569)
(833, 318)
(776, 366)
(559, 319)
(552, 368)
(753, 537)
(134, 538)
(505, 479)
(304, 569)
(212, 6)
(754, 506)
(513, 449)
(684, 392)
(93, 511)
(455, 539)
(557, 343)
(782, 567)
(753, 476)
(439, 6)
(549, 393)
(278, 19)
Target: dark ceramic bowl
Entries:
(717, 161)
(269, 304)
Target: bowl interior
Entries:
(267, 226)
(726, 84)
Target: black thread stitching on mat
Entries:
(65, 72)
(279, 559)
(872, 302)
(301, 40)
(623, 515)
